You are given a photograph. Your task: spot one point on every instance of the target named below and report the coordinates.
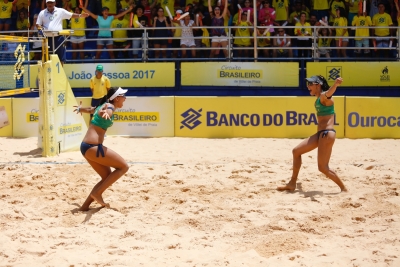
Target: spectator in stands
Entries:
(264, 42)
(124, 5)
(177, 33)
(112, 6)
(242, 40)
(267, 15)
(22, 23)
(362, 22)
(282, 10)
(218, 35)
(120, 36)
(187, 38)
(160, 23)
(104, 22)
(335, 4)
(303, 32)
(295, 15)
(342, 34)
(139, 21)
(248, 7)
(281, 42)
(6, 9)
(78, 38)
(22, 5)
(383, 35)
(321, 8)
(199, 17)
(352, 6)
(324, 43)
(147, 10)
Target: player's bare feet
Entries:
(83, 208)
(99, 199)
(288, 187)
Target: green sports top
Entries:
(324, 110)
(100, 121)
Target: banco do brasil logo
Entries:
(191, 118)
(333, 72)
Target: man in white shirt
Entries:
(50, 20)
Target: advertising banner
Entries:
(123, 74)
(227, 117)
(240, 74)
(69, 127)
(357, 73)
(372, 117)
(144, 116)
(6, 118)
(25, 117)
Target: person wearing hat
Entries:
(102, 158)
(325, 136)
(99, 85)
(104, 34)
(50, 19)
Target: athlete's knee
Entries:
(323, 168)
(124, 168)
(296, 152)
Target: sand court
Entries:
(201, 202)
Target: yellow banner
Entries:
(372, 117)
(123, 74)
(6, 117)
(227, 117)
(240, 74)
(357, 73)
(25, 117)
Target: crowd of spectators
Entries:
(112, 17)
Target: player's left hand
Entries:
(338, 81)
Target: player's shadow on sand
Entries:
(35, 153)
(312, 194)
(88, 213)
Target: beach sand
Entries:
(202, 202)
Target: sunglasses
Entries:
(122, 96)
(281, 31)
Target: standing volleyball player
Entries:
(100, 157)
(325, 136)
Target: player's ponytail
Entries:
(324, 86)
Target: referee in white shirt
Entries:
(50, 20)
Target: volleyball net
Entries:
(59, 128)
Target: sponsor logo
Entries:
(61, 98)
(333, 72)
(385, 77)
(191, 119)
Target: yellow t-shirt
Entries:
(99, 86)
(380, 20)
(334, 6)
(342, 21)
(321, 5)
(125, 5)
(78, 23)
(324, 42)
(111, 4)
(297, 15)
(22, 25)
(116, 23)
(361, 22)
(354, 8)
(303, 30)
(178, 29)
(242, 32)
(280, 9)
(264, 40)
(5, 10)
(22, 4)
(170, 4)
